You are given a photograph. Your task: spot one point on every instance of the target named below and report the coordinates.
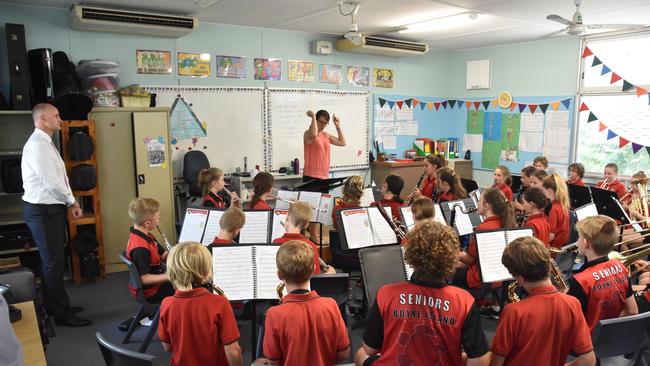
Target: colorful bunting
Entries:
(408, 102)
(430, 105)
(626, 85)
(452, 103)
(522, 107)
(415, 102)
(636, 147)
(611, 134)
(543, 107)
(476, 105)
(494, 103)
(382, 102)
(555, 105)
(391, 104)
(444, 104)
(422, 105)
(486, 104)
(615, 78)
(640, 91)
(587, 52)
(596, 62)
(592, 117)
(601, 127)
(400, 103)
(533, 108)
(437, 105)
(583, 107)
(622, 142)
(605, 70)
(513, 106)
(467, 104)
(647, 148)
(566, 103)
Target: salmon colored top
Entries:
(317, 157)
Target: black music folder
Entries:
(578, 195)
(608, 205)
(382, 266)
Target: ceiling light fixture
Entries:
(206, 3)
(353, 34)
(443, 23)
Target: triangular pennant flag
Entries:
(555, 105)
(586, 52)
(452, 103)
(622, 142)
(391, 104)
(444, 104)
(513, 106)
(615, 78)
(381, 102)
(640, 91)
(415, 102)
(627, 85)
(468, 104)
(422, 105)
(408, 102)
(476, 105)
(636, 147)
(437, 105)
(611, 134)
(400, 103)
(596, 62)
(486, 104)
(566, 103)
(543, 107)
(592, 117)
(494, 103)
(605, 70)
(430, 105)
(601, 127)
(583, 107)
(533, 108)
(522, 107)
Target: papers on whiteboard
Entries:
(473, 142)
(193, 225)
(490, 245)
(557, 136)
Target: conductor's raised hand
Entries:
(337, 122)
(310, 114)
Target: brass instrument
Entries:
(166, 243)
(604, 185)
(400, 232)
(639, 202)
(280, 291)
(628, 257)
(556, 279)
(411, 196)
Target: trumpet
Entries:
(604, 185)
(409, 199)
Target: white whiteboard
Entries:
(287, 121)
(234, 124)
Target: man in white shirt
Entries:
(47, 198)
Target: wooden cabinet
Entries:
(409, 171)
(133, 156)
(462, 167)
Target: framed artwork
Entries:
(382, 78)
(153, 62)
(358, 76)
(331, 74)
(231, 67)
(194, 64)
(300, 71)
(268, 68)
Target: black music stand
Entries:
(579, 195)
(474, 217)
(516, 183)
(381, 266)
(469, 184)
(321, 185)
(607, 204)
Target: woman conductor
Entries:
(317, 145)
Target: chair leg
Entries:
(134, 323)
(152, 329)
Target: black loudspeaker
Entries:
(18, 68)
(40, 70)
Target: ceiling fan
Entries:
(576, 27)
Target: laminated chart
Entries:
(184, 123)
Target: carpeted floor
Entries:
(107, 303)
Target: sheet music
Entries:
(516, 234)
(313, 198)
(356, 225)
(212, 227)
(407, 217)
(279, 218)
(193, 225)
(367, 198)
(326, 207)
(287, 195)
(407, 267)
(490, 249)
(587, 210)
(636, 227)
(232, 268)
(439, 217)
(462, 223)
(256, 228)
(381, 231)
(267, 271)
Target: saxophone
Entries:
(556, 279)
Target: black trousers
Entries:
(47, 225)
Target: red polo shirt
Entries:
(541, 329)
(340, 206)
(474, 270)
(260, 205)
(213, 200)
(601, 286)
(558, 222)
(615, 186)
(540, 226)
(197, 324)
(217, 242)
(394, 206)
(305, 329)
(579, 183)
(417, 323)
(446, 197)
(505, 189)
(297, 236)
(427, 186)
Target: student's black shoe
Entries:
(73, 321)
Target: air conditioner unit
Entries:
(90, 18)
(382, 46)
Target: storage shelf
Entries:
(11, 218)
(18, 251)
(11, 152)
(86, 219)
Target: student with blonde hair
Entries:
(558, 216)
(196, 326)
(212, 184)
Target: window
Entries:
(622, 116)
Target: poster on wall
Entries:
(510, 131)
(300, 71)
(358, 76)
(268, 68)
(331, 74)
(153, 62)
(475, 122)
(155, 151)
(194, 64)
(382, 78)
(233, 67)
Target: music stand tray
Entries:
(321, 185)
(607, 204)
(579, 196)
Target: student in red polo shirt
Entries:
(262, 186)
(230, 224)
(502, 181)
(537, 179)
(576, 173)
(352, 192)
(526, 174)
(498, 214)
(145, 252)
(297, 221)
(212, 184)
(546, 326)
(431, 165)
(611, 182)
(534, 202)
(423, 211)
(601, 284)
(197, 327)
(391, 190)
(558, 216)
(305, 329)
(424, 321)
(449, 185)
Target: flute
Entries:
(235, 199)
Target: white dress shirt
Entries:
(44, 176)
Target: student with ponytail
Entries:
(449, 185)
(534, 203)
(352, 192)
(390, 190)
(558, 216)
(503, 181)
(262, 186)
(212, 184)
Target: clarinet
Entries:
(411, 196)
(435, 194)
(522, 218)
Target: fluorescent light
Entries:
(444, 23)
(206, 3)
